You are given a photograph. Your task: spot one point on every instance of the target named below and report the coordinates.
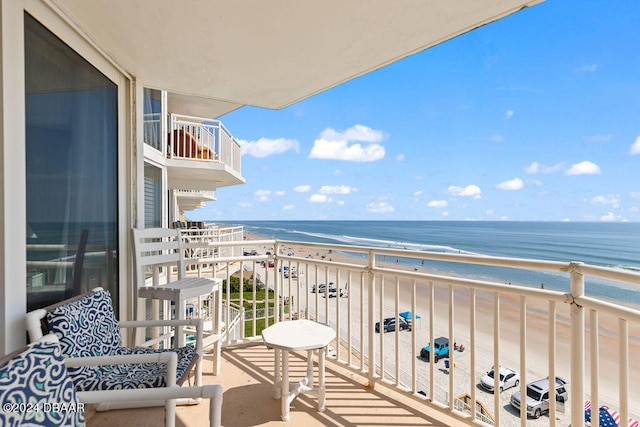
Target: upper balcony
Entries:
(199, 153)
(189, 200)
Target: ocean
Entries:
(615, 245)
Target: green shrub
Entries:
(235, 285)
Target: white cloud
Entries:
(337, 172)
(245, 204)
(583, 168)
(340, 203)
(444, 213)
(437, 204)
(336, 189)
(400, 157)
(380, 207)
(262, 195)
(280, 193)
(635, 147)
(265, 147)
(508, 114)
(512, 184)
(635, 194)
(302, 188)
(612, 200)
(588, 68)
(536, 167)
(468, 191)
(319, 198)
(418, 193)
(355, 133)
(504, 218)
(288, 207)
(608, 217)
(335, 145)
(489, 212)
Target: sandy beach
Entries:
(509, 343)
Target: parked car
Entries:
(389, 324)
(508, 378)
(250, 253)
(333, 293)
(538, 396)
(441, 349)
(322, 288)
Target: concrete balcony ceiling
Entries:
(203, 175)
(269, 54)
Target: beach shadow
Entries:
(424, 359)
(479, 387)
(516, 412)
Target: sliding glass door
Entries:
(71, 170)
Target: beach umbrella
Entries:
(406, 315)
(608, 417)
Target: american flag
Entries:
(608, 417)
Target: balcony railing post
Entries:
(577, 344)
(371, 309)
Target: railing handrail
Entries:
(368, 279)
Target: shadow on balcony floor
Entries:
(247, 374)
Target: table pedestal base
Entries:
(285, 392)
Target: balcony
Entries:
(189, 200)
(380, 377)
(199, 153)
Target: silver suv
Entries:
(538, 396)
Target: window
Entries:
(152, 196)
(152, 118)
(71, 169)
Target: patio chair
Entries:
(86, 327)
(36, 389)
(157, 252)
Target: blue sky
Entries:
(533, 117)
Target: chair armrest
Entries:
(211, 392)
(32, 320)
(170, 358)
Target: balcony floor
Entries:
(246, 376)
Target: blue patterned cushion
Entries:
(88, 327)
(38, 376)
(145, 375)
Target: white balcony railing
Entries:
(196, 138)
(499, 323)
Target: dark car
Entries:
(389, 324)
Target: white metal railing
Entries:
(207, 193)
(196, 138)
(480, 313)
(47, 274)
